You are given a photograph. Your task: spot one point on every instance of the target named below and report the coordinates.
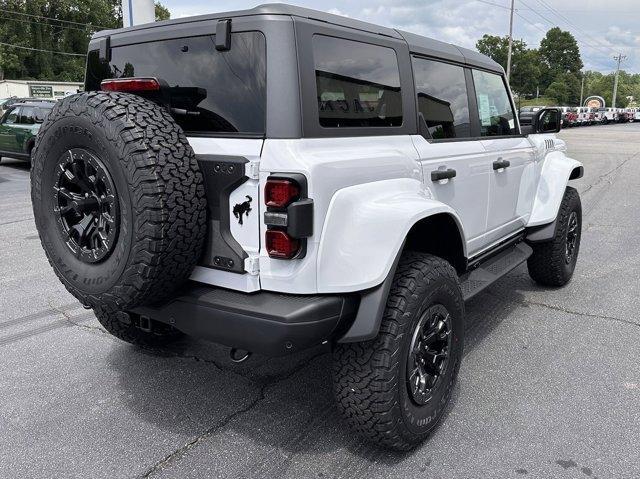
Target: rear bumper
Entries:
(268, 323)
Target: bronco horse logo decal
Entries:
(242, 209)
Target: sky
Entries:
(603, 28)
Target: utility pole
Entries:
(510, 42)
(581, 90)
(135, 12)
(619, 58)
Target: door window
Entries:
(26, 116)
(12, 116)
(494, 105)
(358, 84)
(442, 98)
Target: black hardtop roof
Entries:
(417, 43)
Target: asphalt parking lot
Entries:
(549, 387)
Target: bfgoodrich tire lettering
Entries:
(159, 191)
(371, 379)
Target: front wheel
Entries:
(553, 262)
(394, 389)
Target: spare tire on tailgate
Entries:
(118, 199)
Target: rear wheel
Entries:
(553, 262)
(394, 389)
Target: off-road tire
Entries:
(370, 378)
(548, 264)
(123, 326)
(158, 186)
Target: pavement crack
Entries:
(194, 442)
(73, 320)
(16, 221)
(579, 313)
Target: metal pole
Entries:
(510, 42)
(582, 90)
(619, 58)
(135, 12)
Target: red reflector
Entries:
(279, 193)
(281, 245)
(130, 84)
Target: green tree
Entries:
(162, 12)
(565, 89)
(525, 62)
(559, 53)
(50, 26)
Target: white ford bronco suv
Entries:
(278, 178)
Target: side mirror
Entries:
(547, 120)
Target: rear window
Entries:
(358, 84)
(210, 91)
(442, 98)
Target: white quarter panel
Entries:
(365, 228)
(554, 176)
(246, 234)
(511, 189)
(329, 164)
(468, 193)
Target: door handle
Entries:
(447, 174)
(500, 164)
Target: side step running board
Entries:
(493, 269)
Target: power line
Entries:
(552, 23)
(40, 50)
(570, 23)
(494, 4)
(533, 24)
(40, 23)
(95, 27)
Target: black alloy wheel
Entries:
(572, 237)
(428, 353)
(85, 205)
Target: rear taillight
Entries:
(131, 85)
(280, 193)
(289, 216)
(280, 245)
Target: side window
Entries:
(358, 84)
(26, 115)
(494, 107)
(12, 116)
(442, 98)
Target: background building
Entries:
(37, 88)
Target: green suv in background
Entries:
(19, 126)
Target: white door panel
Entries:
(511, 189)
(468, 192)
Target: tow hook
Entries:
(239, 355)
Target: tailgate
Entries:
(230, 171)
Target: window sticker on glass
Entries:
(485, 109)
